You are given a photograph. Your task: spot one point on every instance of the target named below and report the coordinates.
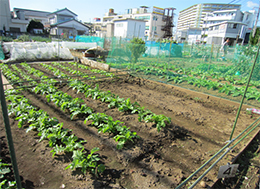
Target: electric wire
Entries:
(233, 2)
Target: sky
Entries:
(87, 10)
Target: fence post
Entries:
(169, 59)
(158, 54)
(9, 134)
(191, 49)
(211, 50)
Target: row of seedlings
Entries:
(60, 139)
(75, 107)
(114, 101)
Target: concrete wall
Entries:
(129, 28)
(110, 30)
(135, 29)
(5, 15)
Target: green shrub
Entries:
(41, 39)
(6, 39)
(23, 38)
(137, 48)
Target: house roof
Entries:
(55, 12)
(125, 19)
(74, 20)
(30, 10)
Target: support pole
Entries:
(9, 134)
(242, 100)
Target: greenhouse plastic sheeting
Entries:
(78, 45)
(32, 51)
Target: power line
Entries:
(232, 2)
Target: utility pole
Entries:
(254, 30)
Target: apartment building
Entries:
(155, 21)
(193, 16)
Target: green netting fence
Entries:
(2, 56)
(90, 39)
(199, 67)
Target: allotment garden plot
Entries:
(134, 132)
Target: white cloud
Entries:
(251, 4)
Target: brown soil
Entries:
(201, 124)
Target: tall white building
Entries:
(193, 16)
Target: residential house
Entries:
(233, 24)
(64, 22)
(59, 22)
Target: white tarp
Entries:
(33, 51)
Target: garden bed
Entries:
(200, 126)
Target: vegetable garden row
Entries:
(217, 79)
(60, 139)
(146, 141)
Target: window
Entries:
(119, 25)
(147, 27)
(142, 17)
(234, 26)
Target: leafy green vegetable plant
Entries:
(89, 162)
(159, 120)
(127, 106)
(4, 183)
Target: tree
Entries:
(34, 25)
(254, 40)
(137, 48)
